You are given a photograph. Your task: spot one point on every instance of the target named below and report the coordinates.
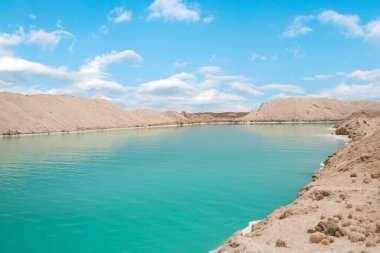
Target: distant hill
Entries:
(50, 113)
(26, 114)
(308, 109)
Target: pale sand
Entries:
(49, 113)
(30, 114)
(307, 109)
(20, 114)
(338, 212)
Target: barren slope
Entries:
(49, 113)
(307, 109)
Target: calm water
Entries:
(154, 190)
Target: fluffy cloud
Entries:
(320, 77)
(255, 57)
(372, 32)
(355, 85)
(363, 75)
(180, 84)
(208, 19)
(7, 39)
(295, 51)
(298, 26)
(245, 88)
(91, 76)
(349, 23)
(209, 69)
(198, 91)
(99, 63)
(346, 91)
(283, 88)
(173, 10)
(9, 64)
(119, 15)
(366, 75)
(47, 40)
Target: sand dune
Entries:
(307, 109)
(49, 113)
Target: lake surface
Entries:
(150, 190)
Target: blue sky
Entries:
(191, 55)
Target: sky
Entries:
(191, 55)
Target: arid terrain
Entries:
(28, 114)
(308, 109)
(338, 211)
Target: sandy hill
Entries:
(49, 113)
(307, 109)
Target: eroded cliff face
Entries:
(307, 109)
(338, 212)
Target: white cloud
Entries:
(319, 77)
(362, 75)
(346, 91)
(255, 57)
(298, 26)
(209, 69)
(103, 30)
(283, 88)
(208, 19)
(99, 63)
(94, 83)
(295, 51)
(58, 24)
(180, 84)
(279, 96)
(91, 75)
(366, 75)
(245, 88)
(194, 92)
(9, 40)
(372, 30)
(47, 40)
(119, 15)
(173, 10)
(355, 85)
(180, 64)
(10, 64)
(349, 23)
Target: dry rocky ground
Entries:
(338, 212)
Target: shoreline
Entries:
(338, 211)
(252, 223)
(16, 134)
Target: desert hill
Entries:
(308, 109)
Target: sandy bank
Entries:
(338, 212)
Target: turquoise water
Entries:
(150, 190)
